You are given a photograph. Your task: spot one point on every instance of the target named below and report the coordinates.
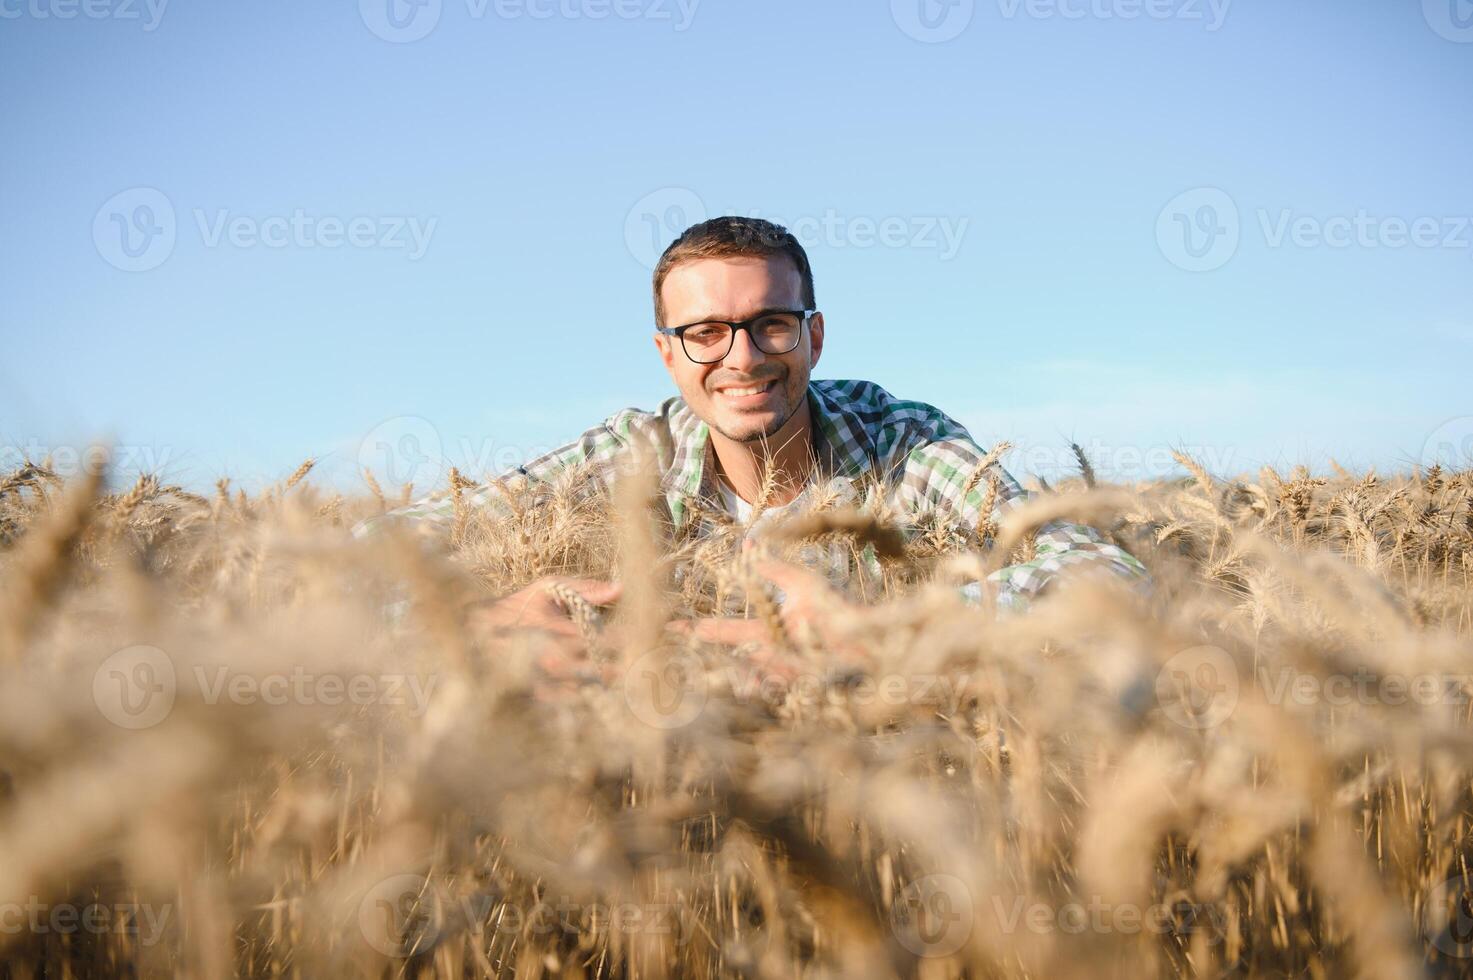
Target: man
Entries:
(738, 331)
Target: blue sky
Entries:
(238, 235)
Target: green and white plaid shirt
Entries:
(860, 429)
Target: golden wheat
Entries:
(238, 741)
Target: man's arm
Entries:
(937, 462)
(543, 603)
(1059, 546)
(434, 514)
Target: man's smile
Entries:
(749, 395)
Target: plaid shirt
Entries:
(859, 428)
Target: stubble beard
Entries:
(768, 431)
(757, 437)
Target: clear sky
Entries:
(239, 234)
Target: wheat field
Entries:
(239, 741)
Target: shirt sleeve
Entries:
(434, 515)
(935, 461)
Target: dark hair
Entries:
(727, 236)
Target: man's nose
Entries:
(743, 354)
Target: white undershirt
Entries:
(741, 510)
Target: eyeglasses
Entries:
(773, 332)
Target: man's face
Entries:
(737, 288)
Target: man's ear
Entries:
(667, 352)
(815, 340)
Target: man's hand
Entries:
(751, 634)
(809, 603)
(537, 607)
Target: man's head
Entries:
(733, 269)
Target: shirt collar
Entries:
(842, 445)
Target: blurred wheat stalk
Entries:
(217, 746)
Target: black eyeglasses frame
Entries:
(804, 316)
